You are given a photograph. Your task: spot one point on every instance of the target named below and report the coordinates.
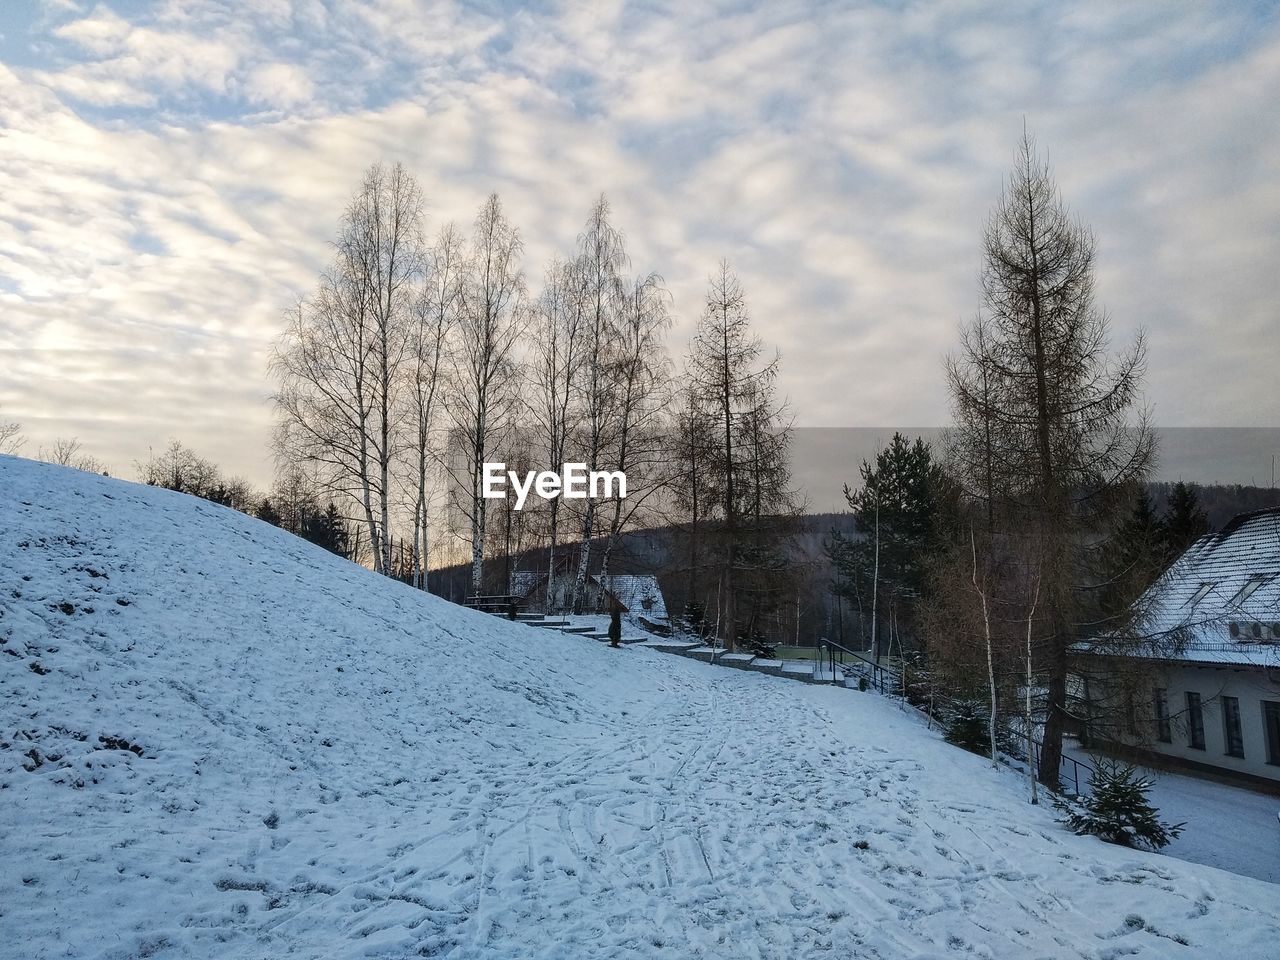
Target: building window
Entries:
(1231, 726)
(1201, 592)
(1195, 721)
(1245, 592)
(1164, 733)
(1271, 724)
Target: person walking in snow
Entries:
(615, 624)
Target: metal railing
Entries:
(1076, 767)
(887, 681)
(882, 678)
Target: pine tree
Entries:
(1184, 521)
(967, 725)
(897, 513)
(1117, 810)
(267, 513)
(1136, 554)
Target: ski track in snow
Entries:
(335, 766)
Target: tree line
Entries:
(417, 359)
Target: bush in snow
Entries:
(966, 725)
(1117, 811)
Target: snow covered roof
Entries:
(523, 582)
(639, 593)
(1220, 601)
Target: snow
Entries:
(1228, 827)
(334, 765)
(1224, 578)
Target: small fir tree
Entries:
(267, 513)
(1118, 810)
(1184, 521)
(968, 725)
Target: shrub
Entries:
(1117, 810)
(966, 726)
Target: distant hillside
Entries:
(659, 551)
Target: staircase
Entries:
(541, 620)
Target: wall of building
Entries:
(1250, 685)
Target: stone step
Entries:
(578, 630)
(705, 654)
(672, 646)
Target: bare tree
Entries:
(600, 265)
(341, 359)
(980, 588)
(557, 357)
(69, 452)
(726, 371)
(639, 445)
(11, 439)
(1047, 419)
(435, 317)
(483, 362)
(694, 494)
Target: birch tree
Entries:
(340, 361)
(483, 362)
(600, 265)
(641, 375)
(553, 407)
(434, 321)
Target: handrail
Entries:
(879, 673)
(1076, 766)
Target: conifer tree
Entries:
(1184, 521)
(736, 386)
(1049, 423)
(1132, 560)
(1118, 810)
(897, 513)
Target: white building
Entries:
(1208, 694)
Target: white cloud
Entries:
(169, 185)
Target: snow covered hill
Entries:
(219, 741)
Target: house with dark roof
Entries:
(1208, 659)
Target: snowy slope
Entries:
(332, 765)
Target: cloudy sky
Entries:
(171, 175)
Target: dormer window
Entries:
(1245, 592)
(1201, 592)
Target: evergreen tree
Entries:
(267, 513)
(967, 725)
(1184, 521)
(327, 529)
(1117, 810)
(1136, 554)
(897, 514)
